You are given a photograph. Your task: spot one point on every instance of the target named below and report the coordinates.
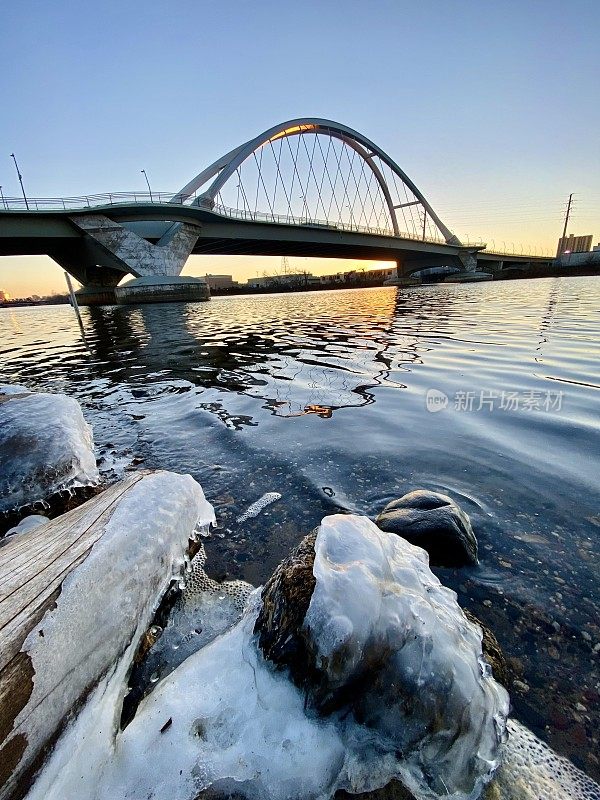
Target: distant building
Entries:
(220, 281)
(370, 277)
(298, 279)
(574, 244)
(4, 296)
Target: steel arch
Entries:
(221, 170)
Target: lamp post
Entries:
(3, 200)
(148, 182)
(20, 180)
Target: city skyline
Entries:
(471, 120)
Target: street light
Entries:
(148, 182)
(20, 180)
(3, 200)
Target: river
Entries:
(347, 399)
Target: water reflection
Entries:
(300, 362)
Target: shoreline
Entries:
(535, 272)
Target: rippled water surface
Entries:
(322, 398)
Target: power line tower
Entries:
(285, 265)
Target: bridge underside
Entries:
(322, 246)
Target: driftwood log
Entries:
(70, 606)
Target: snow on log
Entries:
(75, 593)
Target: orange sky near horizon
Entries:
(23, 276)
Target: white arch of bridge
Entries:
(223, 168)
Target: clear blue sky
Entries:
(491, 107)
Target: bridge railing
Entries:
(312, 222)
(520, 252)
(90, 201)
(85, 201)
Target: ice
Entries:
(121, 580)
(13, 388)
(228, 722)
(235, 724)
(383, 624)
(205, 610)
(27, 524)
(46, 446)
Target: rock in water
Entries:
(46, 446)
(434, 522)
(383, 640)
(285, 601)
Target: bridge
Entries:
(306, 187)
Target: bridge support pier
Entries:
(401, 278)
(162, 289)
(470, 273)
(156, 267)
(97, 282)
(93, 295)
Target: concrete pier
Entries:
(469, 277)
(162, 289)
(96, 295)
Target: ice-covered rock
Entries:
(13, 388)
(223, 720)
(434, 522)
(285, 601)
(383, 640)
(501, 669)
(46, 446)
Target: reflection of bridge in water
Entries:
(299, 363)
(308, 187)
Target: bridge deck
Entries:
(50, 232)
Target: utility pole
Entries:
(20, 180)
(561, 244)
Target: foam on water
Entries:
(533, 771)
(254, 509)
(197, 584)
